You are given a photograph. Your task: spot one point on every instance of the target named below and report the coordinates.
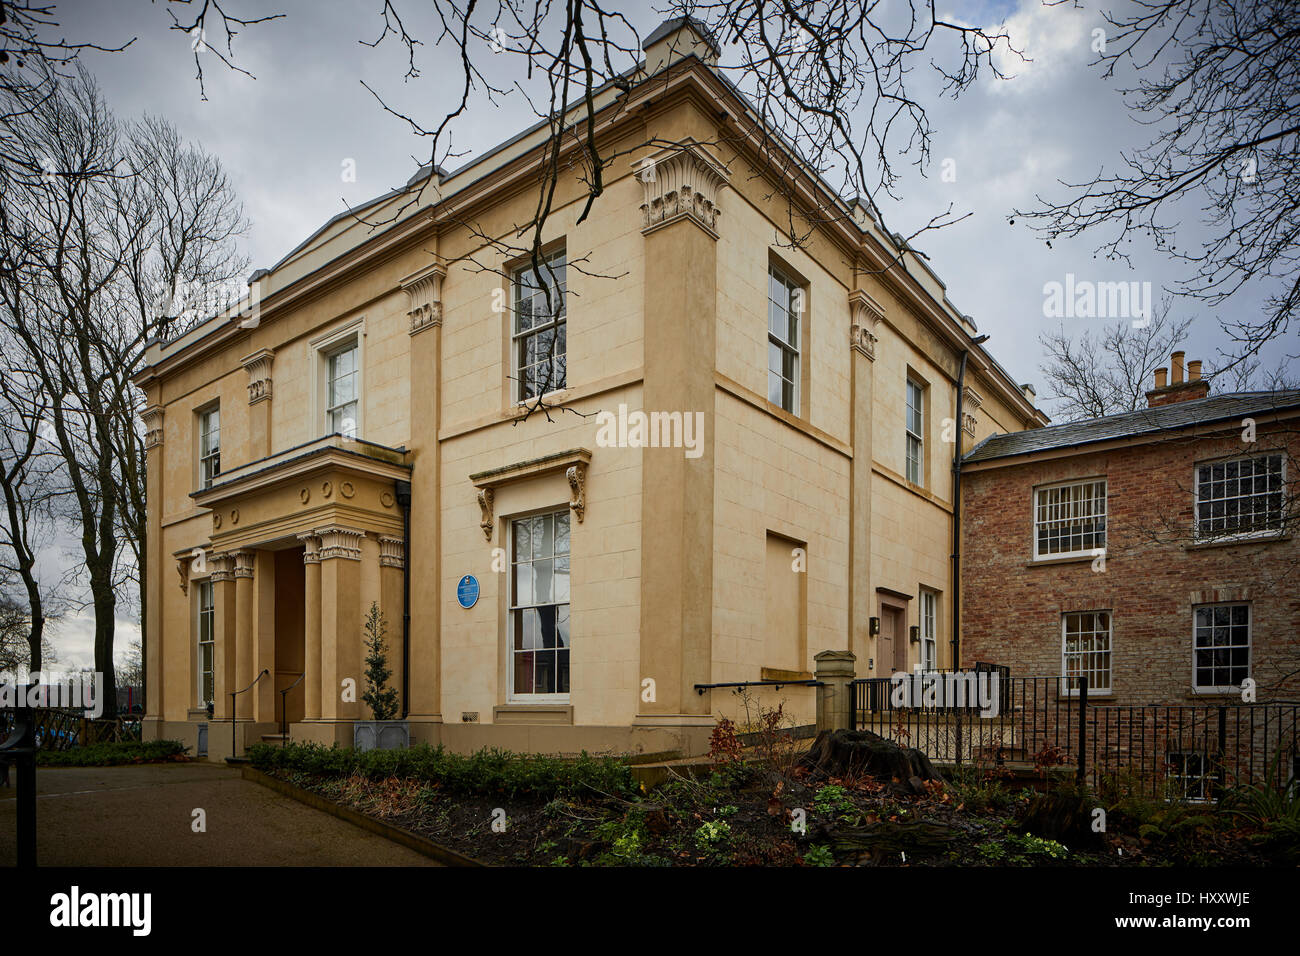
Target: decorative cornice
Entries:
(311, 548)
(223, 568)
(866, 313)
(153, 426)
(577, 475)
(392, 552)
(680, 182)
(258, 366)
(424, 297)
(338, 542)
(245, 563)
(485, 497)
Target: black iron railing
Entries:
(1190, 751)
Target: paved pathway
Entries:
(141, 816)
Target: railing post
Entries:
(835, 704)
(1082, 770)
(1223, 746)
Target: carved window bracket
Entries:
(573, 464)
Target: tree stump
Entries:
(850, 753)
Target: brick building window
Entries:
(1069, 519)
(784, 307)
(1240, 498)
(539, 329)
(1190, 775)
(1221, 649)
(1085, 650)
(539, 607)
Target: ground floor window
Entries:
(539, 607)
(929, 630)
(1189, 775)
(1085, 639)
(207, 638)
(1221, 652)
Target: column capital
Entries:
(340, 542)
(867, 312)
(311, 548)
(258, 367)
(681, 181)
(424, 296)
(153, 426)
(392, 552)
(222, 568)
(245, 563)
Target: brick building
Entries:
(1153, 550)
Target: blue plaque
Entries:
(467, 591)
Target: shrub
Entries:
(487, 772)
(112, 754)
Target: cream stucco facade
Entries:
(674, 559)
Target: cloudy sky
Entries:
(286, 137)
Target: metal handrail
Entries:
(233, 695)
(284, 708)
(701, 688)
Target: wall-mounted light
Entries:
(914, 632)
(874, 627)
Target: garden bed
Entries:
(756, 809)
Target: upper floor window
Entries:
(539, 607)
(1085, 650)
(209, 445)
(342, 390)
(1070, 519)
(1221, 648)
(784, 308)
(915, 420)
(539, 328)
(1240, 498)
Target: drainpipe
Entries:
(402, 491)
(956, 505)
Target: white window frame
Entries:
(914, 435)
(207, 455)
(929, 629)
(324, 346)
(793, 293)
(1240, 535)
(513, 697)
(202, 588)
(1249, 645)
(1176, 761)
(558, 322)
(1093, 690)
(1104, 515)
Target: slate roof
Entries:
(1145, 421)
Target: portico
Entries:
(301, 544)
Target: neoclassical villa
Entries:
(752, 462)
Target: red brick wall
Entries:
(1011, 611)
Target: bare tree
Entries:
(1216, 82)
(30, 484)
(1110, 371)
(102, 223)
